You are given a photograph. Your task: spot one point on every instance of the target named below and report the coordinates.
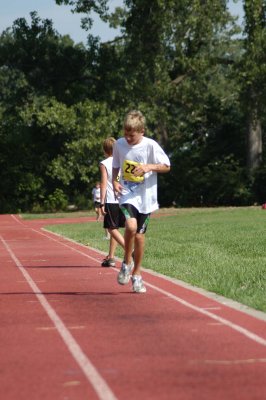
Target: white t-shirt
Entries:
(96, 192)
(108, 164)
(141, 192)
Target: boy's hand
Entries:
(117, 188)
(103, 212)
(141, 169)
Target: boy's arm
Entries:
(116, 185)
(159, 168)
(103, 185)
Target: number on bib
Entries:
(128, 172)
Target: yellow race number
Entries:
(128, 172)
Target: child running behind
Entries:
(113, 217)
(96, 200)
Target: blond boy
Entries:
(139, 159)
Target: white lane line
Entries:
(200, 310)
(100, 386)
(18, 220)
(65, 244)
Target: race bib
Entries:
(128, 172)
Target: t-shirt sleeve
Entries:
(116, 161)
(159, 155)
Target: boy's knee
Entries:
(131, 226)
(132, 230)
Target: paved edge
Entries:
(221, 299)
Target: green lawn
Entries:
(222, 250)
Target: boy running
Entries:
(139, 159)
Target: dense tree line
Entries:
(201, 85)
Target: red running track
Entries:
(70, 332)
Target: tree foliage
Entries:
(180, 62)
(253, 72)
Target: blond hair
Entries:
(134, 120)
(108, 145)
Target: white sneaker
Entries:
(137, 284)
(124, 274)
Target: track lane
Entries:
(144, 346)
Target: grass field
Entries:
(222, 250)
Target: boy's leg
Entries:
(109, 261)
(112, 247)
(130, 233)
(138, 252)
(98, 215)
(137, 282)
(112, 223)
(124, 274)
(117, 236)
(136, 225)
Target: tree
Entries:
(175, 60)
(254, 78)
(38, 125)
(49, 148)
(51, 63)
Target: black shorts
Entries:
(97, 204)
(114, 218)
(130, 211)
